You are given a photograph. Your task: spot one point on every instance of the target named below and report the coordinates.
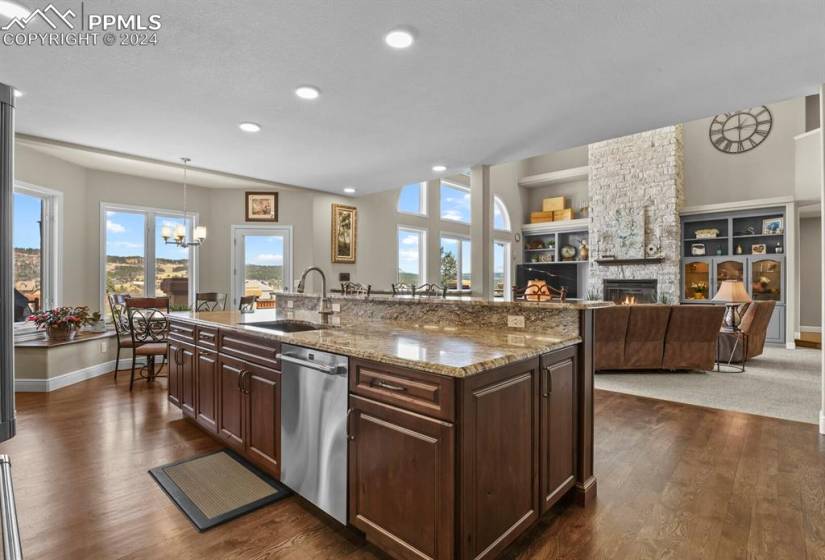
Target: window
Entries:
(501, 217)
(455, 203)
(35, 245)
(455, 263)
(413, 199)
(138, 262)
(411, 255)
(262, 261)
(501, 270)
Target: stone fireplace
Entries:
(629, 292)
(641, 175)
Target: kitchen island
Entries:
(458, 438)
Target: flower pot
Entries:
(61, 333)
(98, 327)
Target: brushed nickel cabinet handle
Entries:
(388, 386)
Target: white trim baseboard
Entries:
(55, 383)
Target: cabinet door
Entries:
(263, 417)
(230, 401)
(776, 327)
(500, 458)
(767, 278)
(401, 480)
(696, 280)
(174, 373)
(728, 268)
(206, 404)
(187, 379)
(558, 426)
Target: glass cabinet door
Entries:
(728, 269)
(766, 279)
(696, 278)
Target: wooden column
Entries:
(481, 200)
(585, 489)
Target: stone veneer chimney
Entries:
(642, 172)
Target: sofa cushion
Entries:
(691, 337)
(645, 340)
(610, 324)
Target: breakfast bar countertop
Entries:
(444, 350)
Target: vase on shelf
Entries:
(61, 333)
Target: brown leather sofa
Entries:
(640, 337)
(754, 327)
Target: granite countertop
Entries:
(450, 351)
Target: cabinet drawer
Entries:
(254, 349)
(208, 337)
(179, 330)
(424, 393)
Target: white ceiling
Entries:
(486, 82)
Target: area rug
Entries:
(780, 383)
(215, 488)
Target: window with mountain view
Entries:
(411, 244)
(455, 263)
(28, 253)
(172, 263)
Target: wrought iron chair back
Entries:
(247, 304)
(539, 292)
(403, 289)
(120, 318)
(210, 301)
(430, 290)
(355, 289)
(147, 320)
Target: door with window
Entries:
(262, 264)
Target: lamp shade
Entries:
(732, 291)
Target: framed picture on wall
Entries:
(261, 207)
(759, 249)
(344, 233)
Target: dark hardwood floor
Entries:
(675, 481)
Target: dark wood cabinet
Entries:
(206, 403)
(499, 454)
(186, 378)
(174, 372)
(401, 480)
(231, 401)
(262, 439)
(558, 425)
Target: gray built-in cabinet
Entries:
(736, 254)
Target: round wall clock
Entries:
(740, 131)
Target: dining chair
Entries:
(430, 290)
(210, 301)
(120, 319)
(149, 326)
(403, 289)
(355, 289)
(247, 304)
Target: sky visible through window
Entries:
(410, 199)
(26, 233)
(455, 203)
(409, 255)
(501, 221)
(264, 265)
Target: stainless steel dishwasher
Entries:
(314, 427)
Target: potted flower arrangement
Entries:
(700, 290)
(62, 323)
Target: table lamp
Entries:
(732, 293)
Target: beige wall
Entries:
(48, 363)
(810, 272)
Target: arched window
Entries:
(501, 217)
(413, 199)
(455, 203)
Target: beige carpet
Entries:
(780, 383)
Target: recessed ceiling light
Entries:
(399, 38)
(349, 190)
(13, 9)
(308, 92)
(18, 93)
(250, 127)
(439, 168)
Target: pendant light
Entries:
(179, 239)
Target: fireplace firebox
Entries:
(625, 292)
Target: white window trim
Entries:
(505, 212)
(51, 262)
(422, 201)
(422, 253)
(458, 187)
(456, 237)
(150, 250)
(234, 230)
(508, 269)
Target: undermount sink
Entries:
(287, 326)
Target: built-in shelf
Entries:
(555, 177)
(540, 250)
(579, 224)
(646, 260)
(706, 239)
(751, 235)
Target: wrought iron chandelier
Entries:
(178, 237)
